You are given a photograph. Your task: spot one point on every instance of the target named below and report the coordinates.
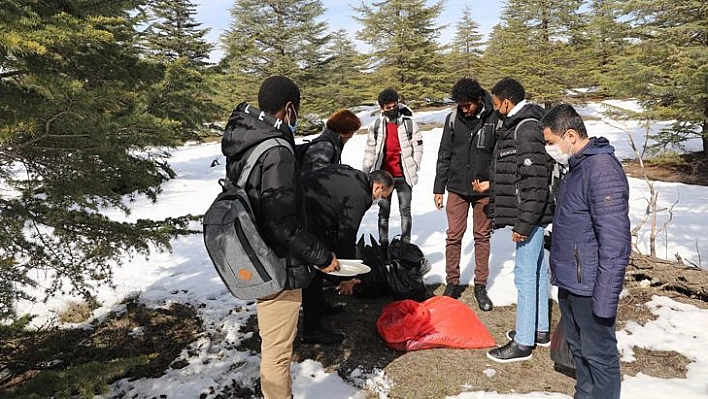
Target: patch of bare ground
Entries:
(432, 373)
(689, 168)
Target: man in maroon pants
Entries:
(464, 156)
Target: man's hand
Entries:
(438, 201)
(516, 237)
(347, 287)
(333, 266)
(480, 186)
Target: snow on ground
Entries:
(186, 275)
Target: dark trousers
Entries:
(404, 192)
(457, 209)
(313, 304)
(593, 342)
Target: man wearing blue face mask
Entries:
(275, 193)
(590, 249)
(394, 143)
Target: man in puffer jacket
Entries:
(275, 192)
(521, 198)
(394, 143)
(590, 249)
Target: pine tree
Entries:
(175, 34)
(184, 94)
(666, 67)
(406, 55)
(534, 43)
(73, 123)
(345, 83)
(465, 57)
(275, 37)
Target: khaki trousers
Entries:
(277, 323)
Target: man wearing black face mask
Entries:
(464, 157)
(394, 144)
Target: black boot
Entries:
(453, 290)
(480, 294)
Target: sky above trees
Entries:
(214, 14)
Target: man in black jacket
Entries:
(275, 193)
(464, 156)
(521, 198)
(336, 199)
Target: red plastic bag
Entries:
(447, 323)
(404, 320)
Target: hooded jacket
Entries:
(336, 199)
(274, 191)
(325, 149)
(520, 187)
(591, 239)
(411, 150)
(465, 154)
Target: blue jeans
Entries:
(405, 195)
(593, 342)
(531, 280)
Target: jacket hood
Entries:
(597, 145)
(528, 111)
(247, 127)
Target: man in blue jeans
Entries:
(520, 197)
(590, 249)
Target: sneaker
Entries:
(543, 338)
(453, 291)
(322, 336)
(480, 294)
(511, 352)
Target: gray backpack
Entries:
(247, 266)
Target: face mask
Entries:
(557, 153)
(293, 127)
(392, 114)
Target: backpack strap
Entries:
(451, 121)
(255, 155)
(518, 125)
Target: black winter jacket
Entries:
(274, 190)
(336, 199)
(323, 150)
(520, 195)
(466, 154)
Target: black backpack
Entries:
(247, 266)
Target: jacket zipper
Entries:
(578, 265)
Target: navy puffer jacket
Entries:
(591, 234)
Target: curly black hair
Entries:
(466, 90)
(275, 92)
(387, 96)
(509, 89)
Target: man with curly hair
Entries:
(465, 156)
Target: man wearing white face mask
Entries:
(336, 199)
(590, 249)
